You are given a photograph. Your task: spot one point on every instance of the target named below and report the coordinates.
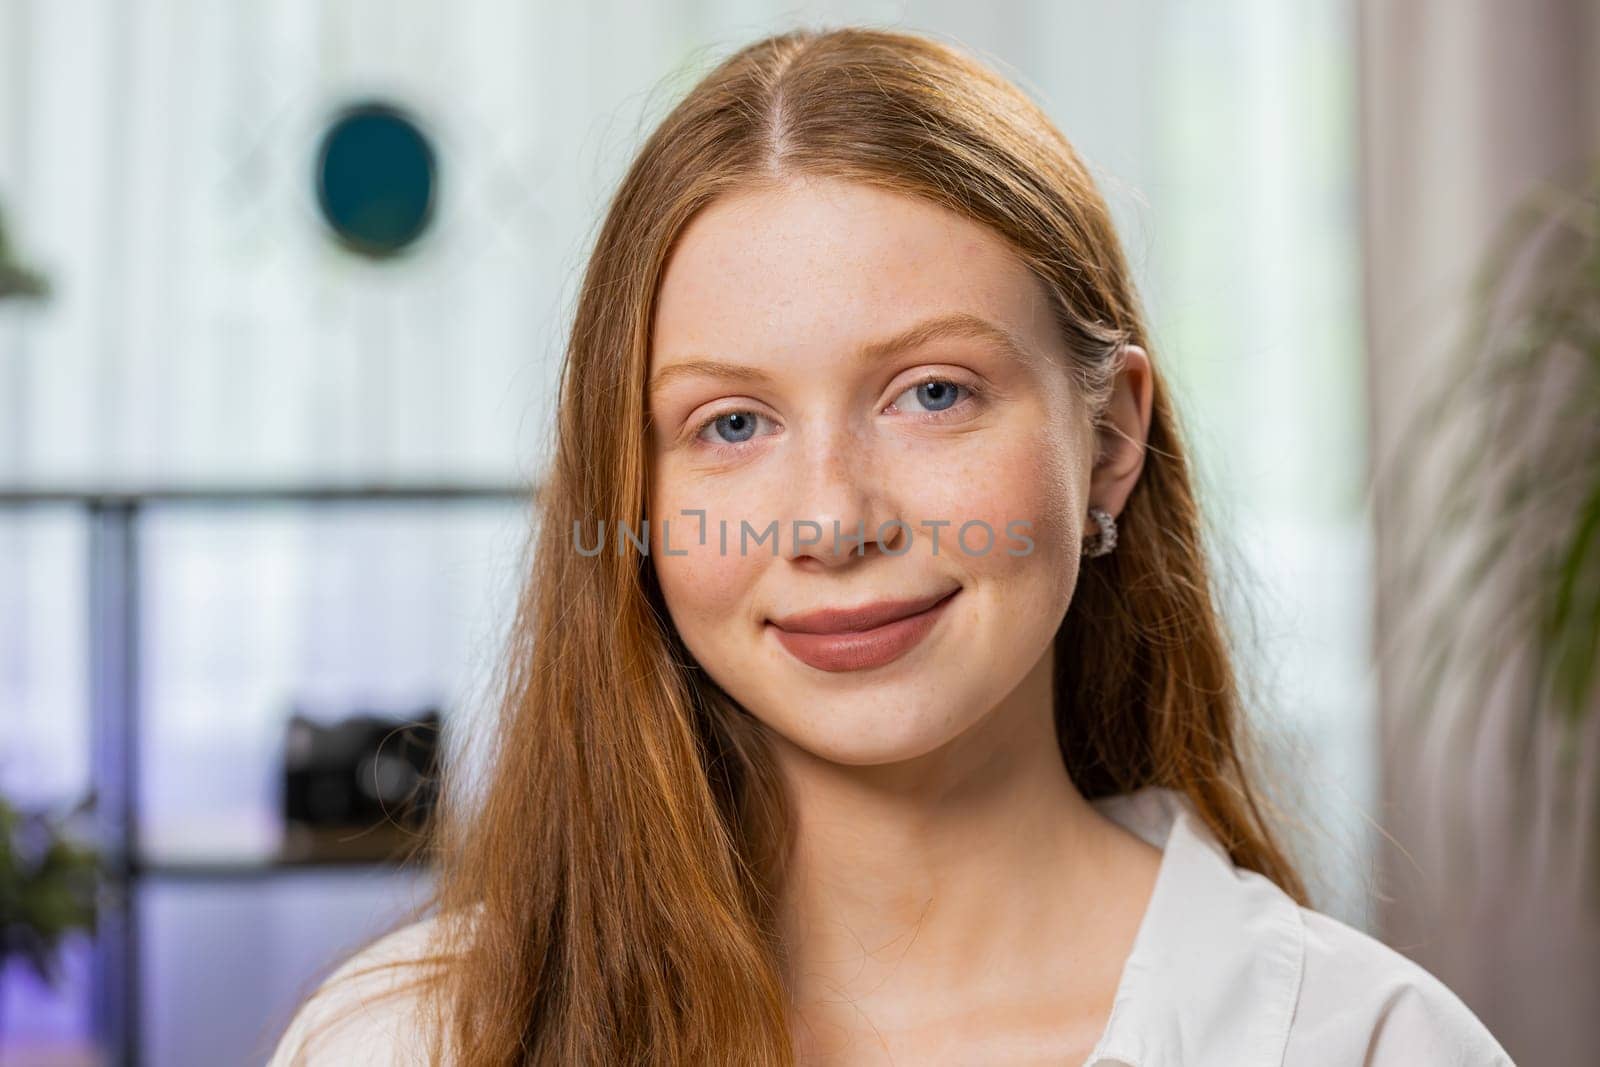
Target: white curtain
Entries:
(1466, 106)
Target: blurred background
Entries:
(283, 292)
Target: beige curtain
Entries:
(1466, 105)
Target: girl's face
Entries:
(837, 356)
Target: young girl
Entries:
(868, 701)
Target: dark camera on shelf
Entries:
(360, 788)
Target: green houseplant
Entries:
(48, 885)
(1516, 418)
(17, 280)
(48, 881)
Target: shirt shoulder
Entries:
(1363, 1002)
(356, 1018)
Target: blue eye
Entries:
(737, 423)
(935, 394)
(734, 428)
(731, 428)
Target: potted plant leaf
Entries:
(48, 886)
(16, 280)
(1516, 420)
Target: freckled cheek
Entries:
(705, 587)
(1019, 493)
(704, 590)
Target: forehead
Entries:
(829, 263)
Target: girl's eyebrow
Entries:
(954, 324)
(710, 368)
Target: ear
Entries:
(1120, 441)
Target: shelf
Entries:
(229, 870)
(115, 520)
(231, 495)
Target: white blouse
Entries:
(1226, 971)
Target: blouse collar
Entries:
(1214, 973)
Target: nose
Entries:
(840, 504)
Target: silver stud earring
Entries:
(1107, 539)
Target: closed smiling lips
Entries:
(858, 638)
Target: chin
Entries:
(895, 740)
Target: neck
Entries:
(958, 876)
